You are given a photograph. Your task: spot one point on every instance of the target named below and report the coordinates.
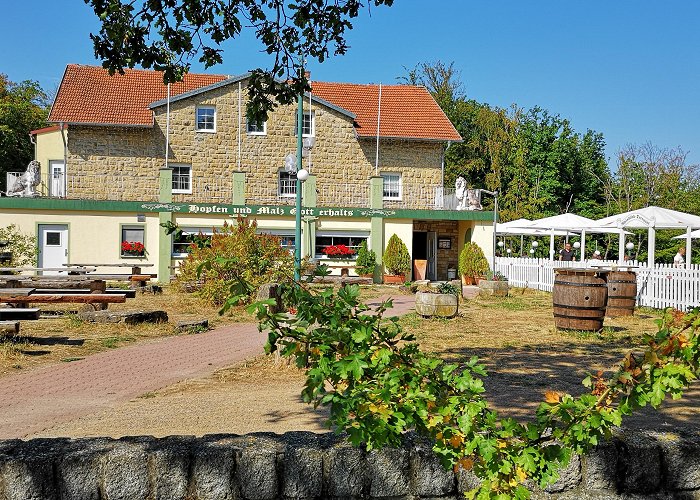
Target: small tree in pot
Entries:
(366, 260)
(397, 261)
(472, 263)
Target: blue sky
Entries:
(627, 68)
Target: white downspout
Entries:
(167, 129)
(240, 123)
(62, 127)
(379, 115)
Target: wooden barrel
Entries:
(579, 299)
(622, 293)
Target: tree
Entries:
(23, 107)
(165, 35)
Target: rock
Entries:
(128, 317)
(9, 328)
(302, 466)
(443, 305)
(271, 291)
(343, 469)
(192, 326)
(639, 464)
(496, 288)
(388, 472)
(428, 477)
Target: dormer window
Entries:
(206, 119)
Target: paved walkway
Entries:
(37, 400)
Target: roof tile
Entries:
(89, 95)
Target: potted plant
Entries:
(133, 249)
(441, 301)
(472, 263)
(494, 284)
(397, 261)
(366, 261)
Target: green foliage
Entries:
(166, 35)
(235, 263)
(396, 258)
(366, 261)
(377, 384)
(472, 261)
(448, 288)
(23, 246)
(23, 107)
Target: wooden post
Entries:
(98, 286)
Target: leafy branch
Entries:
(378, 384)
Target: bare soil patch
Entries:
(515, 337)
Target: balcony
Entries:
(258, 191)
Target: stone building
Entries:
(127, 153)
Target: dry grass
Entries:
(60, 336)
(514, 337)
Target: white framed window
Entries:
(352, 240)
(182, 243)
(309, 125)
(287, 185)
(392, 186)
(286, 237)
(133, 240)
(205, 119)
(182, 178)
(257, 128)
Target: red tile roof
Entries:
(45, 130)
(407, 111)
(89, 95)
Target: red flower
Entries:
(338, 251)
(133, 248)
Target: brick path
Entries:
(37, 400)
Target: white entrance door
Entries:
(57, 178)
(53, 246)
(431, 268)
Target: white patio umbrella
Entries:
(653, 218)
(692, 235)
(569, 223)
(520, 228)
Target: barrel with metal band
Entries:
(622, 293)
(579, 299)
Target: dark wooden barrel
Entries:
(622, 293)
(579, 299)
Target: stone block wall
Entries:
(342, 163)
(303, 465)
(445, 257)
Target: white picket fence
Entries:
(658, 287)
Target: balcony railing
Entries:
(258, 191)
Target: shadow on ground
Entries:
(519, 376)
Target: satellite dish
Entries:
(290, 163)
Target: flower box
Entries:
(133, 249)
(338, 251)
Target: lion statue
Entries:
(461, 193)
(25, 185)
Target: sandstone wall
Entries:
(300, 465)
(342, 162)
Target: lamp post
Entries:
(495, 219)
(297, 227)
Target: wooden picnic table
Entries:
(67, 269)
(135, 267)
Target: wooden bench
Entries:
(139, 279)
(130, 294)
(88, 298)
(17, 313)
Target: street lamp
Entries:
(495, 219)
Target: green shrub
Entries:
(366, 260)
(397, 260)
(23, 246)
(472, 261)
(236, 257)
